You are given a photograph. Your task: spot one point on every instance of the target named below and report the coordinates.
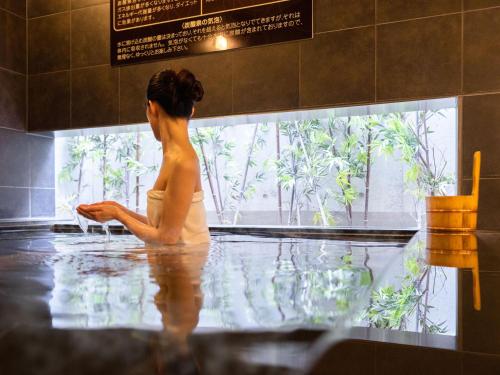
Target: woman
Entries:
(175, 212)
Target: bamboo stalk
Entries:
(80, 175)
(297, 208)
(137, 177)
(127, 175)
(368, 167)
(242, 188)
(209, 177)
(216, 168)
(104, 166)
(308, 163)
(293, 195)
(349, 205)
(278, 157)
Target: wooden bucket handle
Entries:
(476, 289)
(476, 172)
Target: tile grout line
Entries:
(11, 71)
(300, 74)
(27, 112)
(71, 67)
(119, 94)
(232, 82)
(26, 109)
(26, 187)
(26, 61)
(50, 72)
(338, 30)
(489, 177)
(15, 14)
(13, 130)
(376, 50)
(460, 114)
(405, 20)
(29, 176)
(50, 15)
(462, 50)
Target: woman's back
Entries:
(195, 228)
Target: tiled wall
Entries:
(364, 51)
(370, 358)
(26, 160)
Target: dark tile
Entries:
(76, 349)
(489, 204)
(42, 202)
(12, 42)
(480, 364)
(480, 330)
(481, 51)
(16, 6)
(488, 251)
(37, 8)
(49, 101)
(48, 41)
(14, 158)
(342, 14)
(12, 100)
(419, 58)
(266, 78)
(479, 4)
(394, 10)
(343, 358)
(14, 203)
(76, 4)
(133, 84)
(480, 132)
(213, 70)
(90, 36)
(94, 97)
(395, 359)
(337, 68)
(42, 162)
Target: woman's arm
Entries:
(143, 219)
(176, 203)
(103, 212)
(135, 215)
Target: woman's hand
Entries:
(101, 212)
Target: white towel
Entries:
(195, 229)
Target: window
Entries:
(365, 166)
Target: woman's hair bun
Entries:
(189, 86)
(175, 92)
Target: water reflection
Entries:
(419, 297)
(178, 276)
(241, 282)
(458, 250)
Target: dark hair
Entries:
(175, 92)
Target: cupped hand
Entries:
(100, 212)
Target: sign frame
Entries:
(133, 39)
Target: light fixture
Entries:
(220, 42)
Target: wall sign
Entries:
(143, 30)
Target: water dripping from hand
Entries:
(105, 227)
(82, 222)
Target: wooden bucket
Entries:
(458, 250)
(455, 213)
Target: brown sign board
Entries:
(145, 30)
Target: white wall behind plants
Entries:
(390, 201)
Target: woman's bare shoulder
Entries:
(185, 162)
